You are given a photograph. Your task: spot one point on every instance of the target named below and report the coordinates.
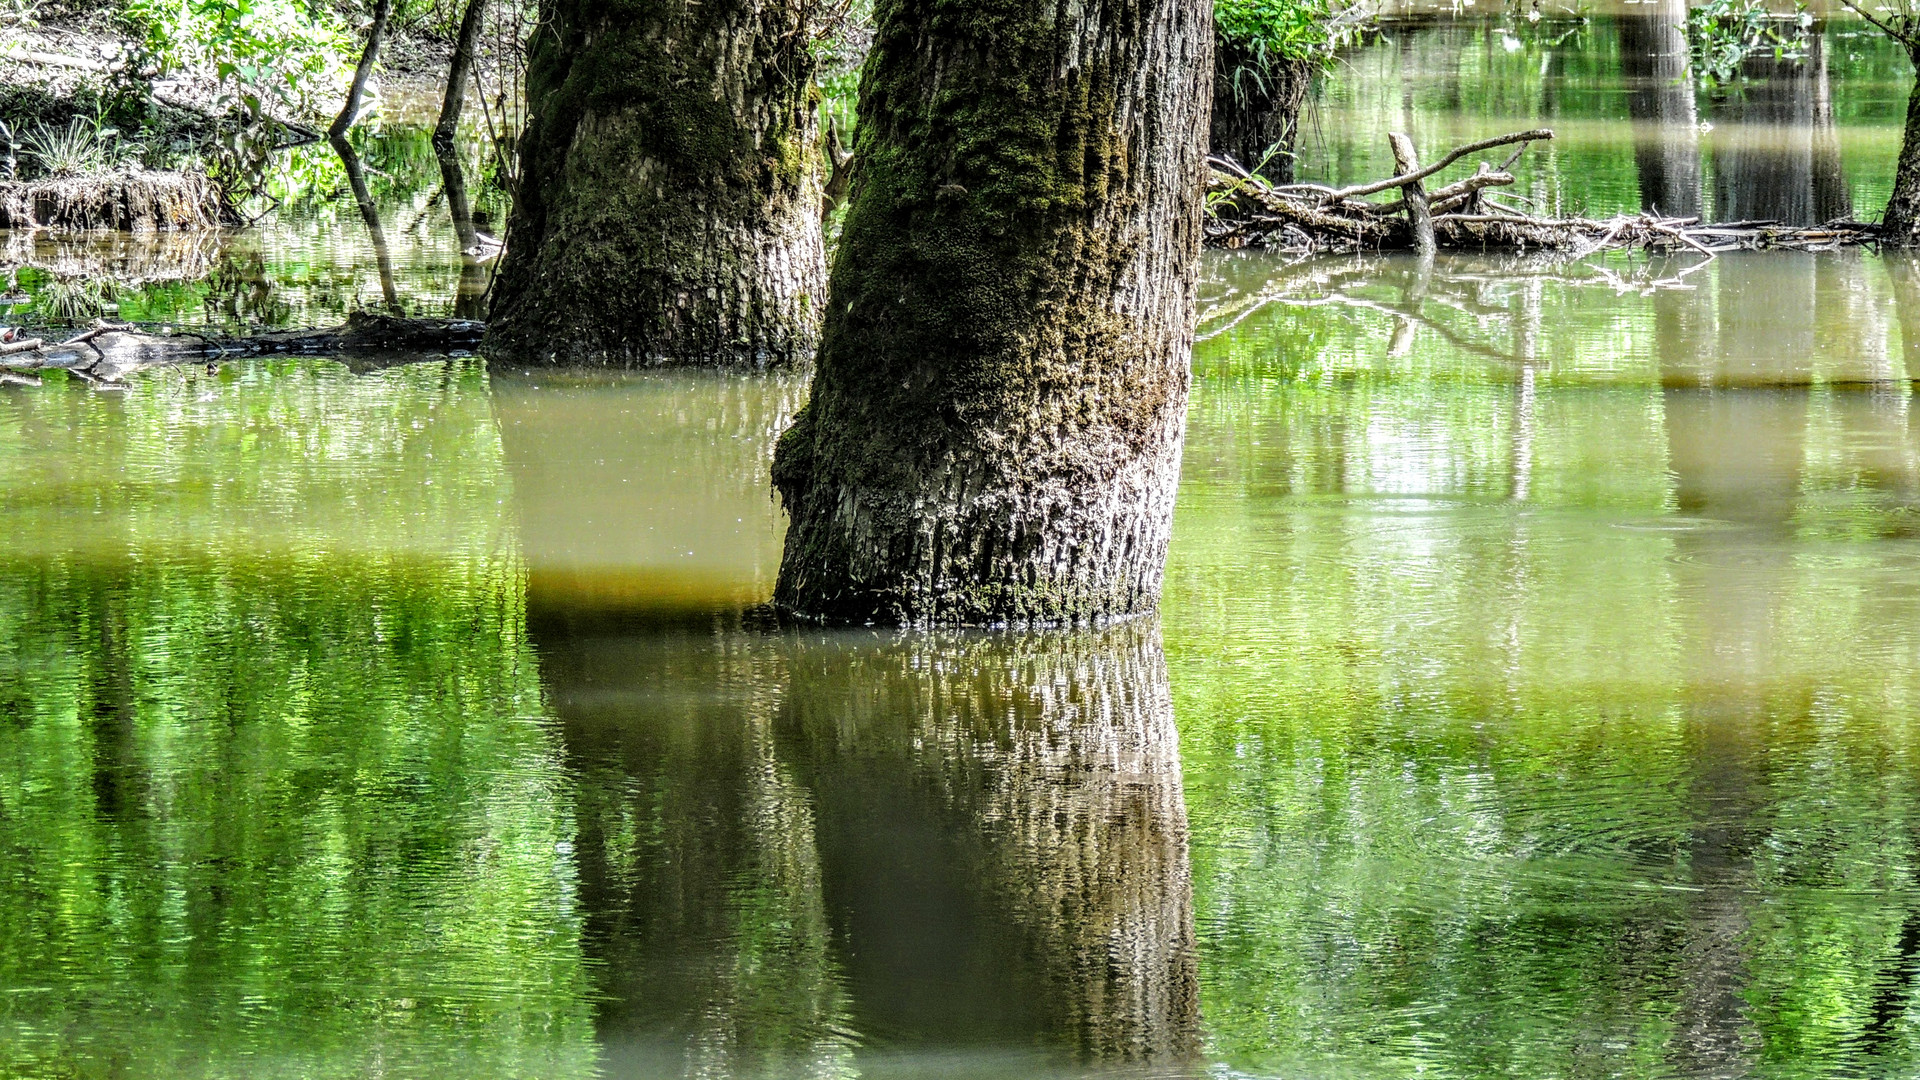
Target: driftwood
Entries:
(108, 352)
(1244, 211)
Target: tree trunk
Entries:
(994, 432)
(470, 298)
(1256, 112)
(1666, 119)
(668, 209)
(350, 112)
(1902, 220)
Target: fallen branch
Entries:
(1523, 137)
(1244, 211)
(108, 352)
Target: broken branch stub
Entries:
(1407, 160)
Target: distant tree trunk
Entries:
(994, 432)
(1666, 120)
(369, 56)
(1902, 220)
(1256, 112)
(356, 175)
(668, 209)
(469, 299)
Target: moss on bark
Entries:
(994, 430)
(1902, 219)
(668, 205)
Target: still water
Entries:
(1535, 695)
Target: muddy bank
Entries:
(128, 200)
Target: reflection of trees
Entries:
(1736, 455)
(370, 216)
(699, 878)
(793, 845)
(1488, 791)
(278, 800)
(285, 817)
(646, 491)
(1776, 156)
(1491, 307)
(1666, 140)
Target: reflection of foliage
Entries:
(1483, 845)
(1724, 33)
(62, 301)
(305, 789)
(272, 731)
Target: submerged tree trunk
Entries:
(1256, 112)
(994, 433)
(668, 208)
(1902, 220)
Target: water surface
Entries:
(1534, 692)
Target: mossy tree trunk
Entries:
(1902, 220)
(994, 431)
(668, 202)
(1256, 110)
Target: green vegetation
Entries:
(260, 52)
(82, 147)
(1723, 34)
(1269, 33)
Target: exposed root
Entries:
(137, 200)
(1244, 211)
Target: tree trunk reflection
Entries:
(800, 849)
(1666, 123)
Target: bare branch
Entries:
(1538, 135)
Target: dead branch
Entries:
(111, 351)
(1539, 135)
(1244, 211)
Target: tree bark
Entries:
(668, 209)
(1902, 221)
(350, 112)
(1253, 115)
(1406, 162)
(994, 432)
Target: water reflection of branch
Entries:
(1458, 285)
(369, 213)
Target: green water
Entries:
(1534, 695)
